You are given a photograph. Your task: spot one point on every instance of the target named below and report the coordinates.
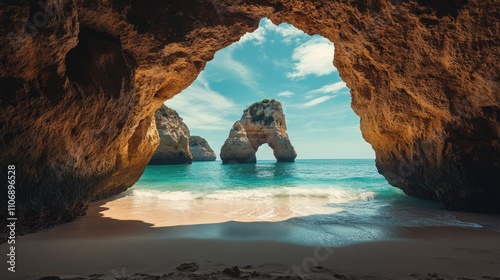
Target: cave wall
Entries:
(80, 81)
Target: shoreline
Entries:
(469, 258)
(98, 245)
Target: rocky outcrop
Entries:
(174, 138)
(237, 148)
(200, 149)
(263, 122)
(80, 81)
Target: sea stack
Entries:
(237, 148)
(262, 122)
(200, 149)
(174, 138)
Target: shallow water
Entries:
(330, 202)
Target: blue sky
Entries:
(283, 63)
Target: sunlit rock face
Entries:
(80, 81)
(263, 122)
(174, 138)
(200, 149)
(237, 148)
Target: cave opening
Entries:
(283, 63)
(275, 62)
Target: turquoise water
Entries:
(307, 202)
(202, 178)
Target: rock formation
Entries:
(174, 138)
(237, 148)
(263, 122)
(200, 149)
(80, 81)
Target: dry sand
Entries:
(97, 247)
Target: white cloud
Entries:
(286, 93)
(225, 63)
(317, 101)
(314, 57)
(331, 88)
(202, 108)
(257, 37)
(288, 32)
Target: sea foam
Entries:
(329, 194)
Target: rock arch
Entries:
(263, 122)
(424, 78)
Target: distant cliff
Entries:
(200, 149)
(174, 138)
(263, 122)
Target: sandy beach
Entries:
(99, 247)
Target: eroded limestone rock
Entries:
(237, 148)
(174, 138)
(200, 149)
(263, 122)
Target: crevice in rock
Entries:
(139, 134)
(98, 65)
(51, 84)
(445, 8)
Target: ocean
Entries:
(310, 202)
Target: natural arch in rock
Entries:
(79, 90)
(262, 123)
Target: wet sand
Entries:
(99, 247)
